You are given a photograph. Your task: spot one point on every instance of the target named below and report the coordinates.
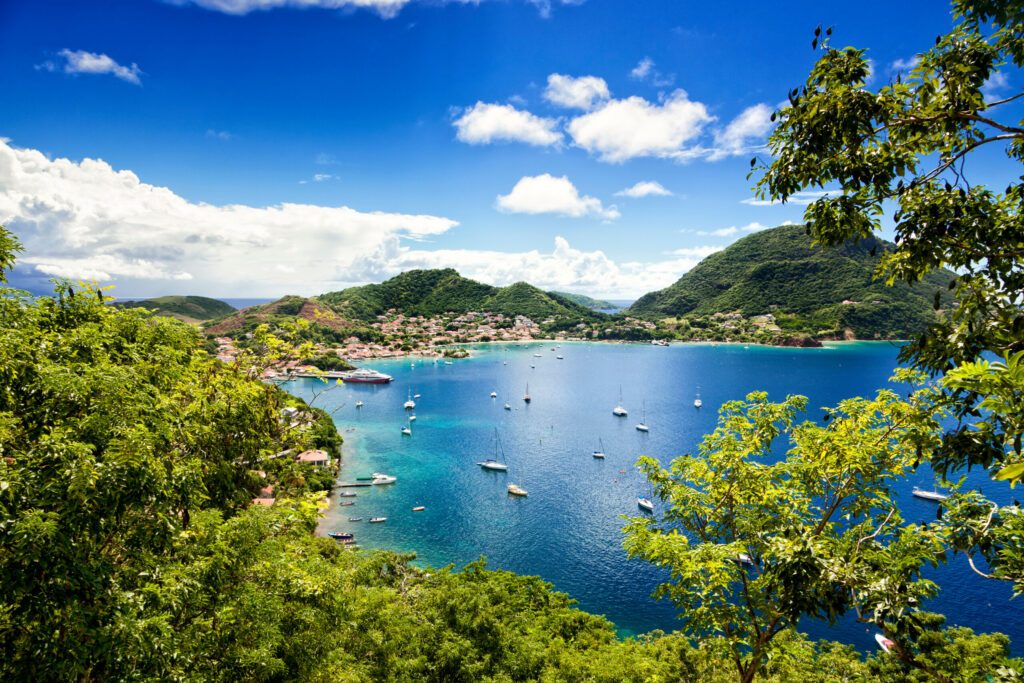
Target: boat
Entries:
(507, 406)
(560, 357)
(645, 504)
(532, 366)
(517, 490)
(494, 394)
(884, 643)
(642, 425)
(359, 404)
(536, 355)
(448, 362)
(339, 534)
(744, 559)
(419, 508)
(347, 494)
(618, 410)
(346, 503)
(526, 396)
(412, 418)
(599, 453)
(355, 519)
(496, 463)
(378, 520)
(406, 431)
(416, 396)
(409, 403)
(365, 376)
(930, 495)
(381, 479)
(697, 403)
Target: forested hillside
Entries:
(816, 290)
(434, 292)
(186, 308)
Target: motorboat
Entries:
(378, 520)
(508, 406)
(380, 479)
(347, 494)
(645, 504)
(419, 508)
(412, 418)
(930, 495)
(886, 644)
(365, 376)
(340, 534)
(515, 490)
(416, 396)
(559, 357)
(346, 503)
(359, 404)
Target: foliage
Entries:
(187, 308)
(908, 146)
(328, 361)
(586, 301)
(780, 271)
(434, 292)
(755, 542)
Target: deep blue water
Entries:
(568, 530)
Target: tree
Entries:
(906, 147)
(755, 541)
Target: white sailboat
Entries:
(618, 410)
(359, 404)
(526, 396)
(497, 463)
(642, 425)
(599, 453)
(930, 495)
(406, 431)
(409, 403)
(697, 403)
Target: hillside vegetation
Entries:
(327, 325)
(815, 290)
(588, 302)
(186, 308)
(434, 292)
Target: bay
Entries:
(568, 530)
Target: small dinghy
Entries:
(346, 503)
(419, 508)
(355, 519)
(645, 504)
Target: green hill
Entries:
(588, 302)
(433, 292)
(327, 325)
(809, 289)
(187, 308)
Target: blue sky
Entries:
(213, 147)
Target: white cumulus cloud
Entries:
(744, 134)
(83, 62)
(797, 198)
(634, 127)
(485, 123)
(386, 8)
(733, 230)
(546, 193)
(576, 93)
(644, 188)
(87, 220)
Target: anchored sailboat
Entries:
(497, 463)
(642, 425)
(599, 453)
(526, 396)
(618, 410)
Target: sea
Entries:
(569, 529)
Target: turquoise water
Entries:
(569, 528)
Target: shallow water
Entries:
(569, 528)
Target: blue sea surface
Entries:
(568, 530)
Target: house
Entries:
(314, 457)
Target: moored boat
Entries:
(515, 490)
(496, 463)
(365, 376)
(340, 534)
(599, 453)
(380, 479)
(378, 520)
(929, 495)
(419, 508)
(645, 504)
(355, 519)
